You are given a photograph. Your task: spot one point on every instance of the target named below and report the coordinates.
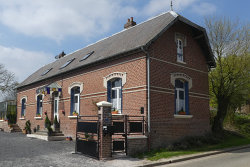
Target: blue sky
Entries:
(32, 32)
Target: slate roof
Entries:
(127, 40)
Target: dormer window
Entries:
(179, 50)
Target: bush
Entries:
(48, 124)
(28, 127)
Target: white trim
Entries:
(162, 88)
(75, 84)
(22, 118)
(93, 94)
(179, 75)
(162, 91)
(38, 118)
(38, 95)
(72, 117)
(183, 116)
(199, 94)
(199, 97)
(182, 62)
(122, 75)
(134, 91)
(178, 65)
(134, 87)
(1, 120)
(23, 97)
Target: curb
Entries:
(169, 161)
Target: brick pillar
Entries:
(105, 146)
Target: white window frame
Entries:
(180, 45)
(41, 106)
(24, 110)
(118, 98)
(77, 104)
(178, 97)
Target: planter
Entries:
(24, 131)
(114, 112)
(182, 113)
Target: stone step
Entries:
(47, 138)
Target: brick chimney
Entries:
(130, 23)
(61, 54)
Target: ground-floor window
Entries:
(39, 105)
(23, 110)
(75, 100)
(181, 97)
(114, 93)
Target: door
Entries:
(56, 113)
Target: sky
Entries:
(32, 32)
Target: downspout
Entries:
(148, 85)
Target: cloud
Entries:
(58, 19)
(157, 6)
(22, 62)
(204, 8)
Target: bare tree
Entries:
(230, 80)
(7, 83)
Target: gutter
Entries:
(148, 83)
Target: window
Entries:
(75, 100)
(114, 87)
(67, 63)
(179, 50)
(23, 110)
(181, 97)
(46, 71)
(39, 106)
(87, 55)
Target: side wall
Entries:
(165, 128)
(134, 92)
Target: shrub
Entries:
(48, 124)
(27, 127)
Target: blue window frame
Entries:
(114, 94)
(23, 110)
(39, 109)
(75, 100)
(181, 97)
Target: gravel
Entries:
(17, 150)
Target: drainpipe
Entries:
(148, 83)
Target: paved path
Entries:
(239, 158)
(16, 150)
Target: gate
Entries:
(87, 135)
(124, 126)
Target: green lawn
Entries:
(194, 145)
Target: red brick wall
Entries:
(165, 128)
(134, 92)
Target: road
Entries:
(239, 158)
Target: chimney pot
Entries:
(130, 23)
(132, 19)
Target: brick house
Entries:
(158, 68)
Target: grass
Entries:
(192, 145)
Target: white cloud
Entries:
(22, 62)
(58, 19)
(157, 6)
(204, 8)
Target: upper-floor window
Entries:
(23, 110)
(39, 105)
(179, 50)
(75, 100)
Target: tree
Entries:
(230, 81)
(7, 84)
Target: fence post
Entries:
(105, 143)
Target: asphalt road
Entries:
(239, 158)
(16, 150)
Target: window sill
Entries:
(182, 62)
(38, 118)
(72, 117)
(183, 116)
(1, 120)
(22, 118)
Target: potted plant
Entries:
(115, 111)
(75, 113)
(182, 112)
(38, 115)
(28, 127)
(48, 125)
